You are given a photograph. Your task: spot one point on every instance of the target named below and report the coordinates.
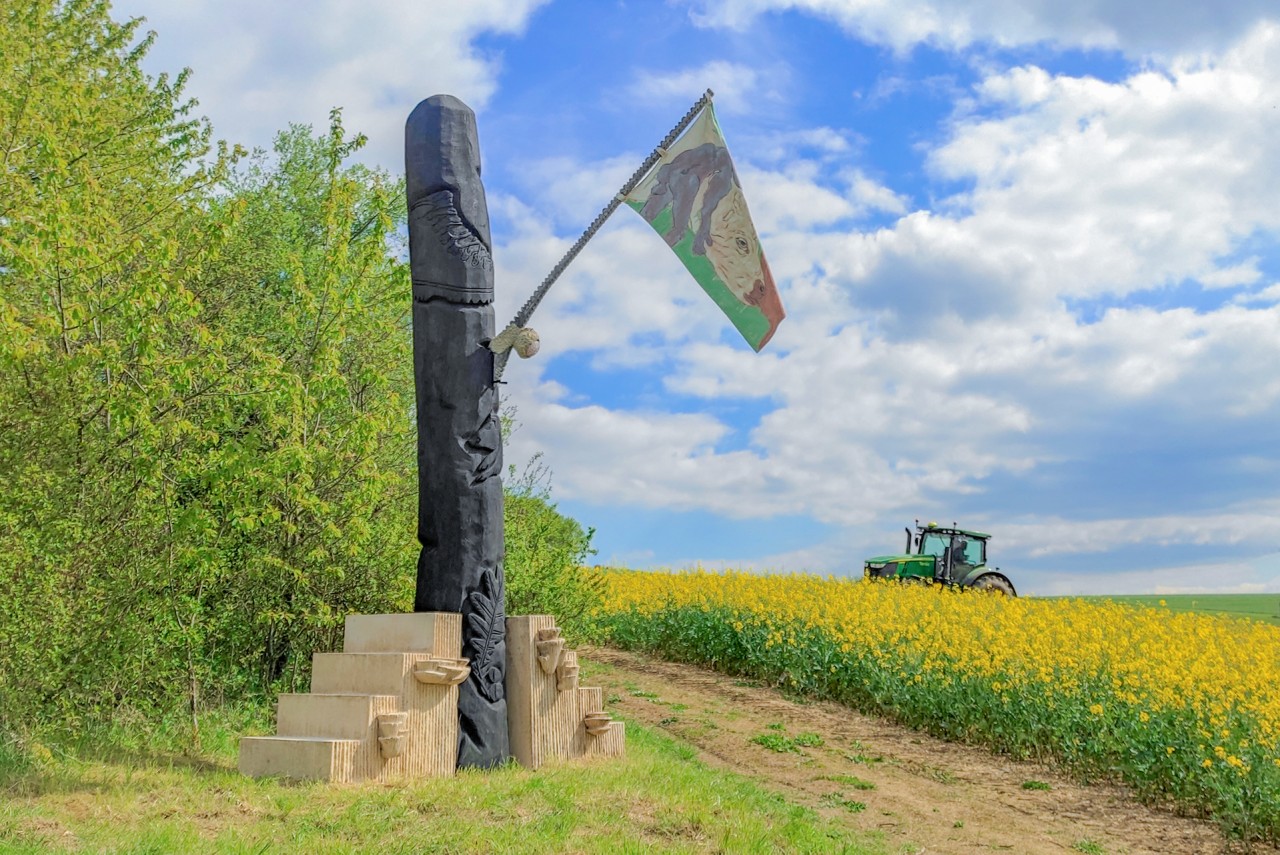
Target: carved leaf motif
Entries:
(485, 624)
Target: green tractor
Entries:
(950, 556)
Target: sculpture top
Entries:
(447, 204)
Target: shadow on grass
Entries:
(106, 756)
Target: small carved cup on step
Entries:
(393, 734)
(549, 645)
(566, 675)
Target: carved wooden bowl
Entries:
(443, 672)
(597, 722)
(549, 654)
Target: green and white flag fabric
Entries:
(693, 199)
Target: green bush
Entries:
(206, 406)
(546, 554)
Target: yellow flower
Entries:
(1213, 681)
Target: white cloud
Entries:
(1251, 523)
(1088, 187)
(258, 66)
(793, 198)
(1269, 294)
(1256, 575)
(922, 359)
(1136, 28)
(738, 88)
(1229, 277)
(785, 145)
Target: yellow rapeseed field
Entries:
(1181, 705)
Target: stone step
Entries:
(359, 673)
(598, 736)
(335, 716)
(383, 673)
(437, 633)
(308, 758)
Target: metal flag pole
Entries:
(502, 343)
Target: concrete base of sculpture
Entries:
(386, 708)
(370, 716)
(549, 715)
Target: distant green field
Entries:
(1263, 607)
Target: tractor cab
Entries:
(956, 551)
(949, 556)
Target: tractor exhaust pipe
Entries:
(908, 531)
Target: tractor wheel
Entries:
(994, 584)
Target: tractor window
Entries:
(975, 552)
(934, 544)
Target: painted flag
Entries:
(693, 199)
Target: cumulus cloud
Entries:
(1135, 28)
(1252, 523)
(1252, 576)
(1090, 187)
(258, 66)
(738, 88)
(928, 359)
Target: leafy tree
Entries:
(101, 356)
(206, 414)
(309, 489)
(546, 551)
(205, 450)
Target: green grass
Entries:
(659, 798)
(1261, 607)
(848, 804)
(777, 742)
(849, 780)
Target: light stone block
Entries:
(342, 731)
(306, 758)
(611, 742)
(432, 726)
(339, 717)
(437, 633)
(541, 719)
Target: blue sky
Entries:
(1030, 254)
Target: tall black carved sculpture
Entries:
(459, 445)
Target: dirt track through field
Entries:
(925, 795)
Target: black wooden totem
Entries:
(459, 444)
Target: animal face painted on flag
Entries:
(694, 200)
(734, 251)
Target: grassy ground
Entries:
(659, 799)
(1262, 607)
